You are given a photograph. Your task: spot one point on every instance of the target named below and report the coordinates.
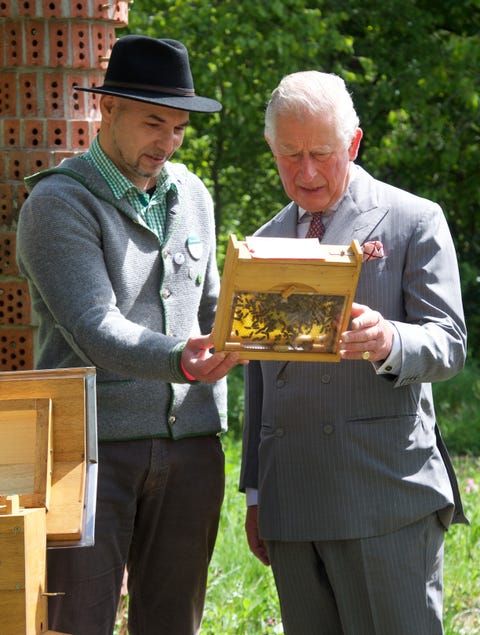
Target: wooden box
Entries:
(23, 603)
(48, 448)
(285, 298)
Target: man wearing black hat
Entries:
(118, 246)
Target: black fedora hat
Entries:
(156, 71)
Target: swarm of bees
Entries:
(297, 321)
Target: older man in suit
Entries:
(349, 486)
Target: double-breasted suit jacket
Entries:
(336, 450)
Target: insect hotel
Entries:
(286, 298)
(48, 478)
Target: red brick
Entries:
(17, 164)
(80, 45)
(34, 131)
(5, 203)
(12, 43)
(54, 95)
(8, 244)
(26, 8)
(57, 133)
(30, 102)
(80, 9)
(80, 135)
(36, 40)
(52, 9)
(8, 94)
(10, 135)
(115, 11)
(14, 303)
(39, 160)
(16, 349)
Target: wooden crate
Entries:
(23, 603)
(58, 460)
(26, 450)
(286, 298)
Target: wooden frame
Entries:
(48, 479)
(66, 459)
(286, 298)
(26, 450)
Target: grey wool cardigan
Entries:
(106, 294)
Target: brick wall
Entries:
(46, 47)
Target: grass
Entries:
(241, 597)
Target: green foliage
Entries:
(413, 72)
(241, 596)
(456, 405)
(462, 555)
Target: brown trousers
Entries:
(158, 510)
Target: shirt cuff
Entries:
(393, 364)
(252, 496)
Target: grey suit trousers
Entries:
(367, 586)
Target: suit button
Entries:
(325, 379)
(327, 428)
(172, 419)
(280, 383)
(279, 432)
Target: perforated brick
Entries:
(16, 349)
(39, 160)
(54, 96)
(80, 9)
(60, 47)
(57, 133)
(8, 96)
(34, 132)
(17, 164)
(80, 45)
(10, 133)
(30, 102)
(14, 303)
(8, 245)
(88, 103)
(116, 11)
(52, 8)
(5, 8)
(36, 35)
(27, 8)
(12, 43)
(103, 39)
(5, 203)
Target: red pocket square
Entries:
(372, 250)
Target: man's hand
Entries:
(202, 365)
(370, 337)
(256, 544)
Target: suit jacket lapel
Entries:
(358, 213)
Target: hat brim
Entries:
(191, 104)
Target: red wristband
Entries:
(186, 373)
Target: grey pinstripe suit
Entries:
(335, 450)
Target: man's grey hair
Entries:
(313, 92)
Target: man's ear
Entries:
(355, 144)
(106, 106)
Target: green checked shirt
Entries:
(152, 209)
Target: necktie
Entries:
(317, 228)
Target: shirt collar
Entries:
(304, 216)
(119, 184)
